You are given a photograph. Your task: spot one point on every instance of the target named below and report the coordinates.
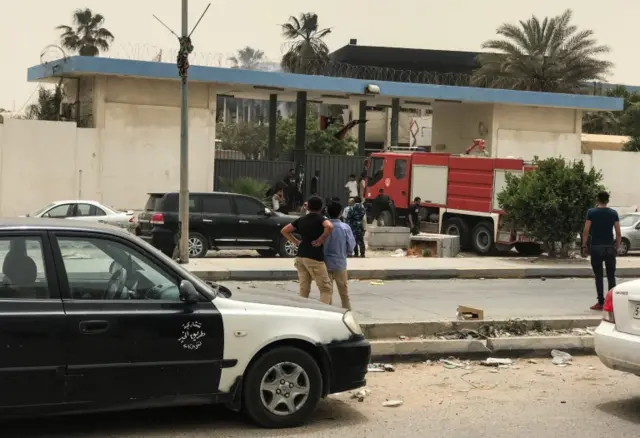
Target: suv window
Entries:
(400, 169)
(248, 206)
(216, 204)
(23, 273)
(168, 203)
(153, 203)
(102, 269)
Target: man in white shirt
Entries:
(352, 186)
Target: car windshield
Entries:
(42, 210)
(629, 220)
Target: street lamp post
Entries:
(183, 65)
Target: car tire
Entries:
(385, 219)
(264, 393)
(529, 248)
(198, 246)
(482, 240)
(288, 249)
(457, 227)
(624, 247)
(266, 252)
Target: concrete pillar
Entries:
(273, 121)
(395, 117)
(362, 128)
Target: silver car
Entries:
(630, 230)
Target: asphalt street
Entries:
(584, 400)
(426, 300)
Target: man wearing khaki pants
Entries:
(337, 247)
(313, 229)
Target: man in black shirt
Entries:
(313, 229)
(315, 181)
(414, 216)
(598, 240)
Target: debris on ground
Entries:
(360, 395)
(403, 338)
(399, 253)
(532, 361)
(376, 283)
(392, 403)
(496, 362)
(469, 313)
(452, 363)
(561, 358)
(429, 363)
(381, 368)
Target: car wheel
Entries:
(624, 247)
(288, 249)
(198, 246)
(266, 252)
(282, 388)
(482, 238)
(457, 227)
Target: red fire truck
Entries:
(459, 195)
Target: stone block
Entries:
(440, 245)
(388, 238)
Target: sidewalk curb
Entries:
(386, 351)
(418, 274)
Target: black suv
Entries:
(217, 221)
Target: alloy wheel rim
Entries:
(284, 389)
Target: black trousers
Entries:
(603, 255)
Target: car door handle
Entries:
(93, 327)
(207, 220)
(243, 222)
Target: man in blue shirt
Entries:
(339, 244)
(598, 239)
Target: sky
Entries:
(28, 27)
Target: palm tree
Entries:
(307, 51)
(247, 58)
(87, 37)
(542, 55)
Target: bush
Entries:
(247, 186)
(550, 203)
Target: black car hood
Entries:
(249, 295)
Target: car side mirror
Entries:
(188, 292)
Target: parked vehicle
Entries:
(89, 211)
(617, 338)
(217, 221)
(630, 230)
(459, 196)
(94, 318)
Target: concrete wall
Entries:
(456, 125)
(132, 149)
(526, 132)
(620, 175)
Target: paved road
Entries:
(424, 300)
(584, 400)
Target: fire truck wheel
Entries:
(456, 226)
(482, 238)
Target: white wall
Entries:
(620, 175)
(133, 149)
(526, 132)
(456, 125)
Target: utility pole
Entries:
(186, 47)
(183, 243)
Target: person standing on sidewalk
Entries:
(598, 241)
(357, 219)
(414, 216)
(337, 247)
(313, 229)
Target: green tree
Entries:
(307, 52)
(610, 122)
(247, 58)
(48, 105)
(248, 138)
(550, 203)
(543, 55)
(87, 37)
(246, 186)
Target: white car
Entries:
(617, 339)
(101, 320)
(89, 211)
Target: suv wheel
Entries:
(282, 388)
(288, 249)
(198, 246)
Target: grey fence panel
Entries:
(334, 173)
(267, 171)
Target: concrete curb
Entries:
(383, 351)
(417, 274)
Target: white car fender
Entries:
(250, 327)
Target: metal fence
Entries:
(334, 172)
